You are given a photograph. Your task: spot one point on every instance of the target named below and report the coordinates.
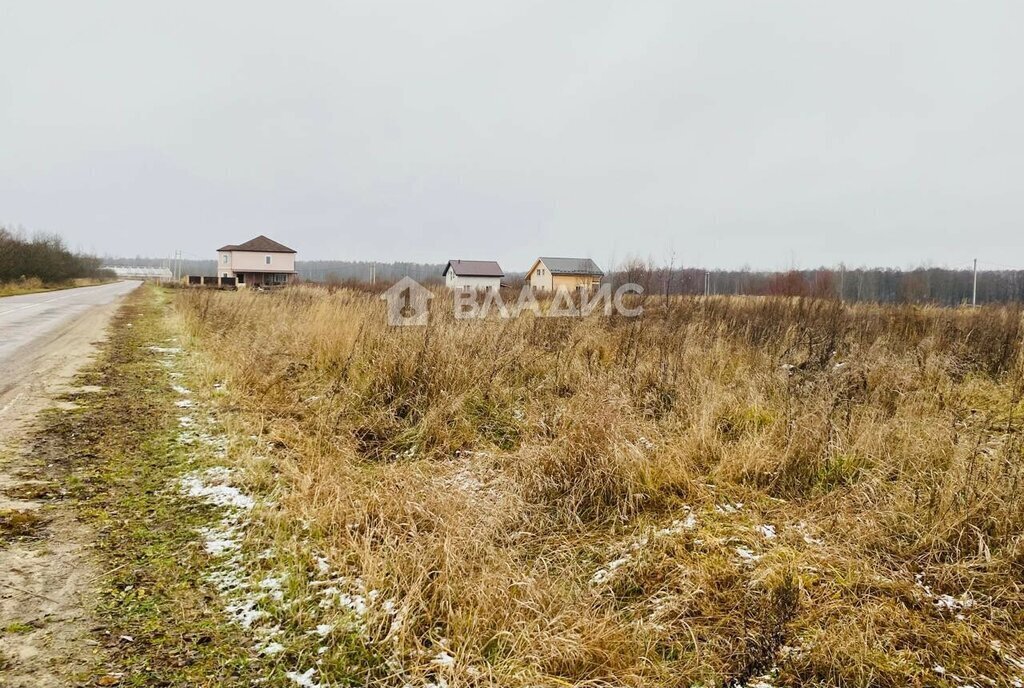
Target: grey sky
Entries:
(761, 133)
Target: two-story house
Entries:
(257, 262)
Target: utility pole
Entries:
(974, 293)
(707, 283)
(842, 280)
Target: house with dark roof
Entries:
(256, 263)
(478, 275)
(550, 274)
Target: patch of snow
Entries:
(747, 555)
(443, 659)
(183, 403)
(768, 531)
(220, 539)
(172, 350)
(209, 487)
(678, 526)
(272, 649)
(273, 587)
(303, 680)
(245, 613)
(946, 603)
(178, 389)
(950, 603)
(602, 575)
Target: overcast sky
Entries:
(767, 134)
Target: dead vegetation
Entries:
(721, 492)
(19, 523)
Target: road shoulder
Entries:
(47, 567)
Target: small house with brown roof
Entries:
(550, 274)
(478, 275)
(258, 262)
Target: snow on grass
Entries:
(606, 573)
(946, 603)
(304, 680)
(183, 391)
(267, 590)
(220, 539)
(767, 531)
(212, 487)
(747, 556)
(443, 659)
(272, 649)
(809, 539)
(677, 526)
(1016, 661)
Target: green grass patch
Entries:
(119, 456)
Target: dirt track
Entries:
(47, 571)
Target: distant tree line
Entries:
(365, 271)
(878, 285)
(43, 257)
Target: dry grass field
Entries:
(754, 492)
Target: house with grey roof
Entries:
(550, 274)
(478, 275)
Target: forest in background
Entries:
(43, 257)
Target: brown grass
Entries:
(486, 475)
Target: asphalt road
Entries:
(33, 319)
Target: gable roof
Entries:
(570, 266)
(260, 244)
(473, 268)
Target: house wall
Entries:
(478, 283)
(540, 278)
(573, 282)
(246, 261)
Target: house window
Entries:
(224, 259)
(268, 260)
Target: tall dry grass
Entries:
(719, 490)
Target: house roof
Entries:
(570, 266)
(473, 268)
(260, 244)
